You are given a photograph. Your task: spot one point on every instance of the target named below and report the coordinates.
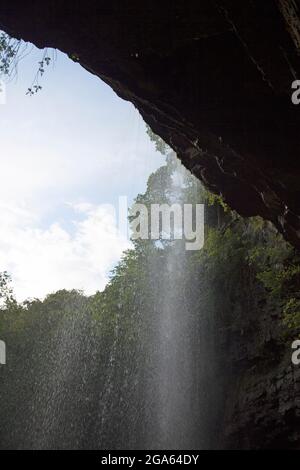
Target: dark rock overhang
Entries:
(213, 78)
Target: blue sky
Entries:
(66, 153)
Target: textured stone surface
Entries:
(262, 405)
(213, 78)
(266, 412)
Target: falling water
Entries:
(175, 383)
(86, 391)
(174, 368)
(54, 417)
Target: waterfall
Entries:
(175, 362)
(131, 367)
(174, 348)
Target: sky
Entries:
(67, 154)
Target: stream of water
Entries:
(150, 386)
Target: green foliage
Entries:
(278, 269)
(6, 290)
(291, 313)
(11, 52)
(8, 52)
(36, 87)
(74, 57)
(160, 145)
(272, 281)
(277, 279)
(216, 199)
(244, 264)
(251, 254)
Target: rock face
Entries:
(262, 406)
(266, 410)
(212, 78)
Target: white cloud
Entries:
(45, 260)
(75, 141)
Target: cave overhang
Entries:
(212, 78)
